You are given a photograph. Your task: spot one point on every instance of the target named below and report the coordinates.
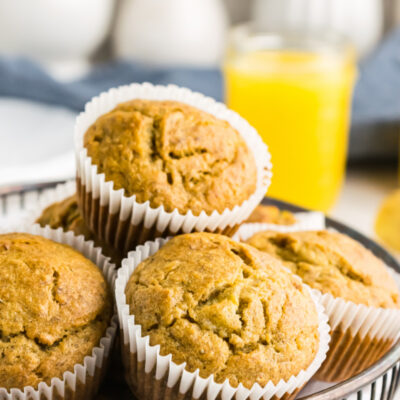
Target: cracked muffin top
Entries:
(225, 308)
(54, 308)
(332, 263)
(271, 215)
(65, 214)
(174, 155)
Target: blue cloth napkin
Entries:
(24, 79)
(377, 93)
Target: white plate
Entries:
(36, 142)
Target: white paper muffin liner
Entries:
(157, 376)
(306, 221)
(48, 197)
(360, 334)
(60, 193)
(123, 222)
(82, 383)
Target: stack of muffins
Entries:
(169, 185)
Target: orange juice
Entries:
(299, 101)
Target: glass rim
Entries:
(246, 38)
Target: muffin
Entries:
(65, 214)
(224, 309)
(346, 272)
(55, 307)
(271, 215)
(157, 161)
(332, 263)
(172, 155)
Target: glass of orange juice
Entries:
(295, 89)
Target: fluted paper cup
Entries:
(83, 382)
(58, 194)
(48, 197)
(122, 221)
(153, 376)
(305, 221)
(361, 335)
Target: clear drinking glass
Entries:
(295, 89)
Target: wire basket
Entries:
(379, 382)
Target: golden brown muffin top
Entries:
(333, 263)
(65, 214)
(54, 308)
(271, 215)
(174, 155)
(225, 308)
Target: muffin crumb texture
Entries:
(226, 309)
(174, 155)
(332, 263)
(54, 308)
(271, 215)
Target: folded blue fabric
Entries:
(24, 79)
(377, 92)
(376, 97)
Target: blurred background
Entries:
(319, 79)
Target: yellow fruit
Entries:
(387, 223)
